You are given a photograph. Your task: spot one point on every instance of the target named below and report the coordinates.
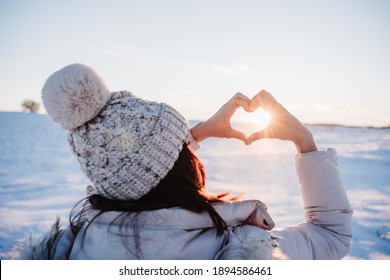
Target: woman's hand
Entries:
(219, 124)
(283, 125)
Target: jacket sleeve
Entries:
(190, 140)
(327, 232)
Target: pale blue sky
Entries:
(327, 61)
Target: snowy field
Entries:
(40, 178)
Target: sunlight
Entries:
(250, 122)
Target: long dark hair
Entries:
(183, 186)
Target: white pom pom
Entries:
(74, 95)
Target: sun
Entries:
(251, 122)
(259, 118)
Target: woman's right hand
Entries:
(283, 125)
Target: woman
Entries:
(148, 199)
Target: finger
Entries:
(237, 135)
(241, 100)
(256, 136)
(230, 107)
(264, 100)
(256, 100)
(253, 106)
(241, 103)
(241, 96)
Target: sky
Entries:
(325, 61)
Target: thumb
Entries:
(237, 135)
(256, 136)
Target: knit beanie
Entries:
(124, 144)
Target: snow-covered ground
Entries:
(40, 179)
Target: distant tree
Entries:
(30, 106)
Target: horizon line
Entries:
(325, 124)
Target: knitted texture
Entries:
(129, 146)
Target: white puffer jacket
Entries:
(176, 233)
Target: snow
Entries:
(40, 178)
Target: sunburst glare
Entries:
(250, 122)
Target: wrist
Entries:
(305, 143)
(199, 132)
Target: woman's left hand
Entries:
(219, 124)
(283, 124)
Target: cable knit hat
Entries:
(124, 144)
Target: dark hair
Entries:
(183, 186)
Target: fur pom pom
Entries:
(74, 95)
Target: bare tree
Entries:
(30, 106)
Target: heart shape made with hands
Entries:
(250, 122)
